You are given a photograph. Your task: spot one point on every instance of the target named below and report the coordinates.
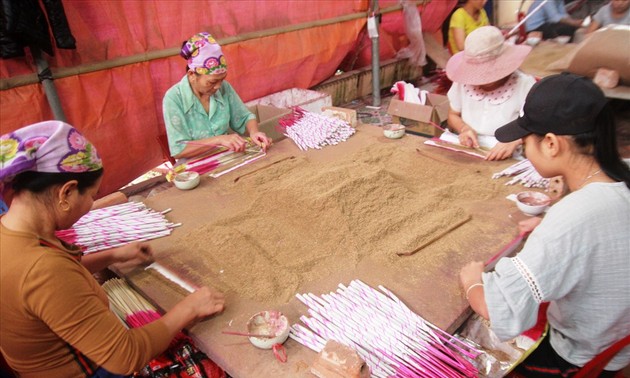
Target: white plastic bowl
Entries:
(187, 180)
(532, 203)
(394, 131)
(533, 41)
(271, 323)
(563, 39)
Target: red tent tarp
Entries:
(120, 108)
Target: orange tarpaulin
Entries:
(120, 109)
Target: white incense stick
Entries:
(525, 19)
(172, 277)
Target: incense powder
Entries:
(306, 220)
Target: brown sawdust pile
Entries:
(308, 219)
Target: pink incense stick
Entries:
(248, 334)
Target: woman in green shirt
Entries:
(202, 107)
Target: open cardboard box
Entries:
(268, 117)
(306, 99)
(417, 118)
(344, 114)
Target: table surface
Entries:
(431, 291)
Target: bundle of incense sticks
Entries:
(115, 226)
(221, 161)
(128, 305)
(525, 174)
(133, 309)
(476, 152)
(391, 339)
(312, 130)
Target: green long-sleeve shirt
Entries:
(186, 119)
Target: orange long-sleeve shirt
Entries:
(51, 306)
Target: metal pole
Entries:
(45, 77)
(376, 64)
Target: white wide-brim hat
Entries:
(486, 58)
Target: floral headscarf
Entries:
(50, 146)
(204, 55)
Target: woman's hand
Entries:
(528, 225)
(471, 274)
(261, 139)
(502, 151)
(133, 254)
(468, 137)
(195, 307)
(232, 142)
(470, 279)
(204, 302)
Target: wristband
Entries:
(471, 287)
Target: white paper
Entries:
(372, 27)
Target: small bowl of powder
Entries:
(394, 131)
(532, 203)
(269, 323)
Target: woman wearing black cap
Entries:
(578, 258)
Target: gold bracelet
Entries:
(472, 286)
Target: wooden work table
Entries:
(433, 292)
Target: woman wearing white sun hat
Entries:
(488, 90)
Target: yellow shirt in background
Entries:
(463, 20)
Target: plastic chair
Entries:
(595, 366)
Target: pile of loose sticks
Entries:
(391, 339)
(312, 130)
(115, 226)
(524, 173)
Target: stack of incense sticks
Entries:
(312, 130)
(525, 174)
(115, 226)
(476, 152)
(132, 308)
(391, 339)
(128, 305)
(222, 161)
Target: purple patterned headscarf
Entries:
(204, 54)
(50, 146)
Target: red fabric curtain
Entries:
(120, 109)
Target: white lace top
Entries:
(487, 111)
(578, 259)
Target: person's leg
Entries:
(564, 29)
(548, 31)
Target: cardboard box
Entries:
(311, 101)
(344, 114)
(268, 117)
(416, 117)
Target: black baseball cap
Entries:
(563, 104)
